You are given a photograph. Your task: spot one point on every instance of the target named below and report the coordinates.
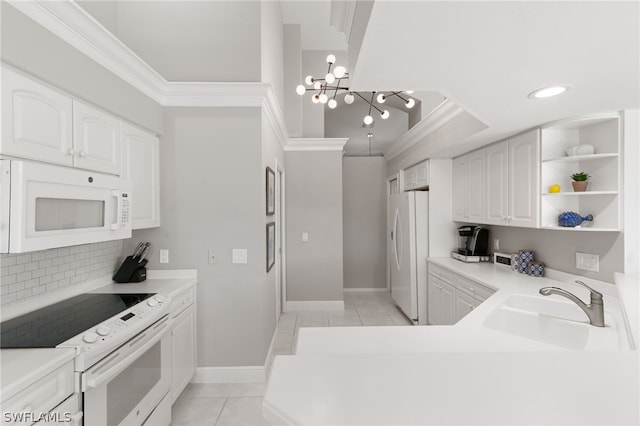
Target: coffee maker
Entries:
(473, 244)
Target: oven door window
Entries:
(131, 386)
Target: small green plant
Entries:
(580, 177)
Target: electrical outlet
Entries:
(305, 237)
(588, 262)
(496, 244)
(164, 256)
(239, 255)
(212, 256)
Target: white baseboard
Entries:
(366, 290)
(316, 305)
(250, 374)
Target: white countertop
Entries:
(468, 334)
(460, 374)
(21, 367)
(541, 388)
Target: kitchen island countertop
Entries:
(460, 374)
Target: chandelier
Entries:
(335, 82)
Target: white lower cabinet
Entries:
(42, 396)
(441, 302)
(464, 305)
(452, 296)
(183, 341)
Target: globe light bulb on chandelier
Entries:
(335, 82)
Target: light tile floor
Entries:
(224, 404)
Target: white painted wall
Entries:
(190, 40)
(292, 77)
(272, 47)
(631, 122)
(314, 205)
(364, 221)
(28, 46)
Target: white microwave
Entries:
(45, 206)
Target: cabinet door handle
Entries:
(82, 154)
(71, 152)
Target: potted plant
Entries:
(580, 181)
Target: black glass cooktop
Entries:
(54, 324)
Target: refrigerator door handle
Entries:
(395, 241)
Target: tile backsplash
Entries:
(30, 274)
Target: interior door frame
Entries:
(281, 276)
(390, 182)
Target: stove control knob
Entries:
(103, 330)
(152, 302)
(90, 337)
(159, 298)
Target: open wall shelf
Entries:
(602, 198)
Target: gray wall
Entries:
(314, 205)
(364, 221)
(31, 48)
(212, 198)
(293, 76)
(557, 249)
(188, 40)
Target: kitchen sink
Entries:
(554, 322)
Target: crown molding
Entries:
(68, 21)
(342, 13)
(441, 115)
(316, 144)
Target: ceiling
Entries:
(485, 56)
(488, 56)
(314, 17)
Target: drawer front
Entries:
(69, 413)
(43, 395)
(182, 301)
(477, 290)
(441, 273)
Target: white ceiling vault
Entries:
(485, 56)
(488, 56)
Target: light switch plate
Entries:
(212, 256)
(305, 237)
(588, 262)
(239, 255)
(164, 256)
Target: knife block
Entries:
(131, 271)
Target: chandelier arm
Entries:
(373, 95)
(371, 105)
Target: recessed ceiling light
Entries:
(547, 92)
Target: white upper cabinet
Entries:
(36, 120)
(497, 188)
(459, 197)
(469, 187)
(141, 165)
(96, 139)
(524, 181)
(40, 123)
(417, 176)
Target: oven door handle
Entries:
(138, 345)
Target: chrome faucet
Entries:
(595, 310)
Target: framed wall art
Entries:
(271, 245)
(271, 192)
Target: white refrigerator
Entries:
(408, 245)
